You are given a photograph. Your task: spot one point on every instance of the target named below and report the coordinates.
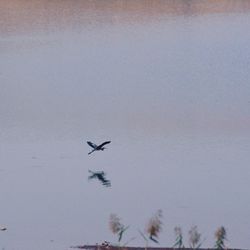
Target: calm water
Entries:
(166, 81)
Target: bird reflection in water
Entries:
(100, 175)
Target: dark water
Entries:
(166, 81)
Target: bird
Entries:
(100, 176)
(97, 147)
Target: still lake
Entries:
(168, 82)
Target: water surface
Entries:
(166, 81)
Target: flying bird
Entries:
(97, 147)
(101, 177)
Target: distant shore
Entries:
(21, 14)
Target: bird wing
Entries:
(91, 144)
(93, 150)
(104, 143)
